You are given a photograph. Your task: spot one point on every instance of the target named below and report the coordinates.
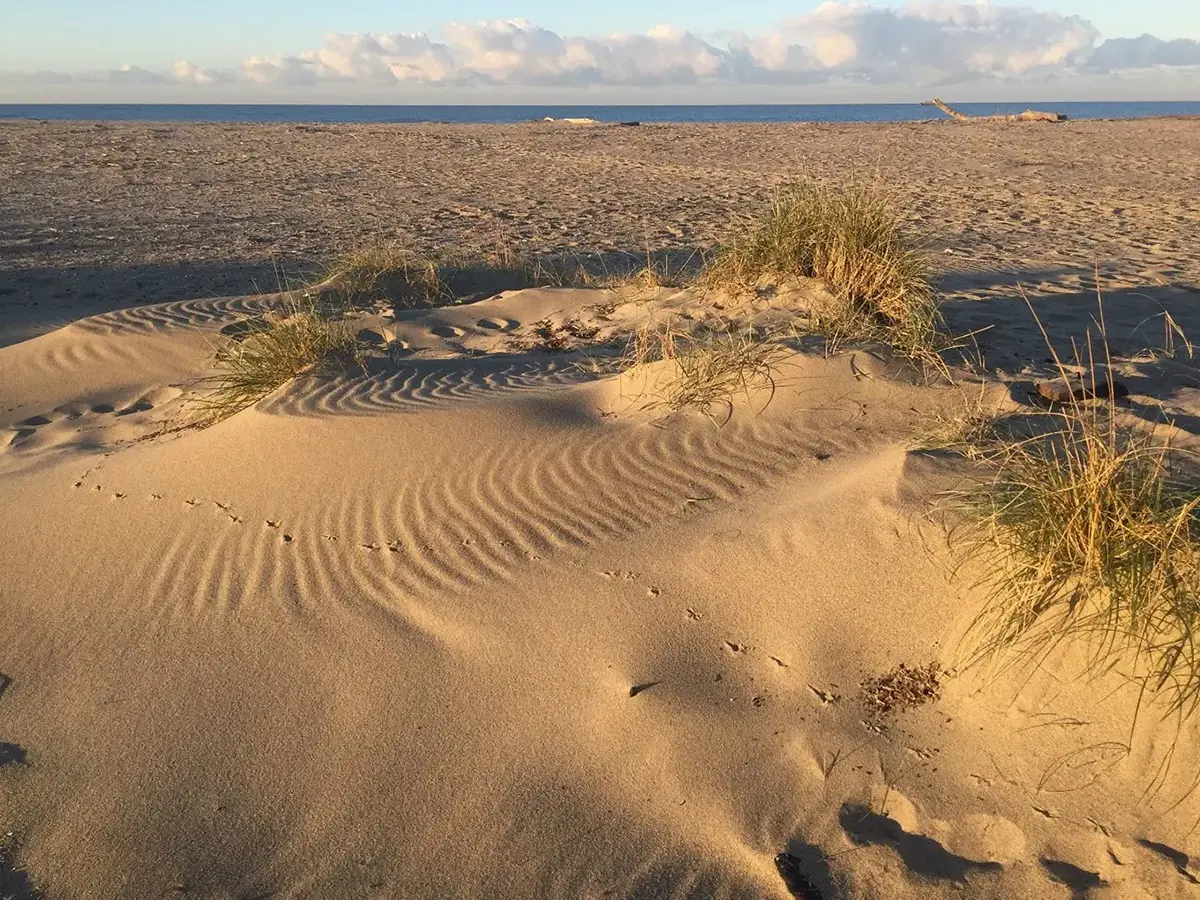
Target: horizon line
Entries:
(593, 104)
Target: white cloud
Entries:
(185, 72)
(1145, 52)
(126, 74)
(182, 72)
(358, 57)
(509, 52)
(922, 44)
(930, 42)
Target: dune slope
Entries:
(482, 625)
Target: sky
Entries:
(403, 51)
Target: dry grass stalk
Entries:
(973, 430)
(1090, 530)
(410, 281)
(305, 339)
(712, 366)
(852, 239)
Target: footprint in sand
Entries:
(20, 435)
(919, 854)
(142, 405)
(102, 409)
(1184, 864)
(447, 331)
(494, 324)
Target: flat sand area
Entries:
(111, 215)
(483, 620)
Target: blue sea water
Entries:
(868, 112)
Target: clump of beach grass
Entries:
(973, 429)
(393, 275)
(712, 365)
(300, 340)
(1088, 529)
(657, 271)
(387, 273)
(854, 240)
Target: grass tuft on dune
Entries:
(379, 272)
(712, 365)
(305, 339)
(853, 239)
(1089, 528)
(407, 280)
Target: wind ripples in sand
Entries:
(482, 519)
(422, 384)
(180, 314)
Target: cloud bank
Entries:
(923, 44)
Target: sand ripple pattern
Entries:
(180, 314)
(422, 384)
(476, 521)
(82, 352)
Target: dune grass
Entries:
(854, 240)
(712, 366)
(973, 429)
(385, 273)
(406, 280)
(1089, 529)
(302, 339)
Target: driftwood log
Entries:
(1030, 115)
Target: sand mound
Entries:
(481, 624)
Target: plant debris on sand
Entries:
(902, 688)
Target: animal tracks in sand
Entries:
(483, 521)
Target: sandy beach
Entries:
(99, 216)
(484, 618)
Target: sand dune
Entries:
(481, 624)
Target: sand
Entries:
(485, 623)
(101, 216)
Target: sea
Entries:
(503, 115)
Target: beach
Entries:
(496, 611)
(115, 215)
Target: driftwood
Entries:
(1030, 115)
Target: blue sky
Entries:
(66, 35)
